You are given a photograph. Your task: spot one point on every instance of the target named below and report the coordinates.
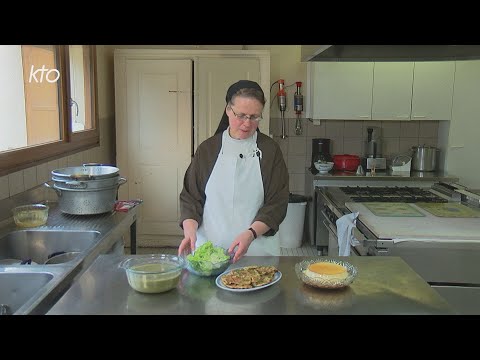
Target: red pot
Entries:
(346, 162)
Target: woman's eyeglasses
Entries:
(244, 117)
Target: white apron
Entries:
(234, 193)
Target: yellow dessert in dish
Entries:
(326, 270)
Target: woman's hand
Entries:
(187, 245)
(242, 242)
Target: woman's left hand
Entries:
(242, 243)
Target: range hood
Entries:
(389, 52)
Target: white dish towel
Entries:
(345, 235)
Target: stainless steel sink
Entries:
(18, 288)
(39, 245)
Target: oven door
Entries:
(464, 299)
(332, 237)
(358, 250)
(327, 217)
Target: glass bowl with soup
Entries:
(154, 273)
(27, 216)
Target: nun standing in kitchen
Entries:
(235, 191)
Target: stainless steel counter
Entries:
(384, 285)
(111, 226)
(350, 178)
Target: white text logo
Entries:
(44, 71)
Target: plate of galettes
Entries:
(249, 278)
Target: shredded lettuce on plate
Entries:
(207, 257)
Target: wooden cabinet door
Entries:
(342, 90)
(433, 90)
(392, 90)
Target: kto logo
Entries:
(46, 72)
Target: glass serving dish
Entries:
(329, 300)
(30, 215)
(155, 273)
(326, 281)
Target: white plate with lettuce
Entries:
(208, 260)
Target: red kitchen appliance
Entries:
(346, 162)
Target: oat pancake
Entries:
(249, 277)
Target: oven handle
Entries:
(326, 221)
(329, 228)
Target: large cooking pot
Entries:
(346, 162)
(88, 184)
(86, 190)
(424, 158)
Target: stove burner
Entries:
(391, 194)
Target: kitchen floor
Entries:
(304, 250)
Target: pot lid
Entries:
(86, 172)
(424, 147)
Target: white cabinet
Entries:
(461, 154)
(341, 90)
(421, 90)
(433, 90)
(381, 90)
(153, 108)
(392, 90)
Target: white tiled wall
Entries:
(347, 137)
(15, 183)
(4, 189)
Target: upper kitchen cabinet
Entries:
(421, 90)
(433, 90)
(341, 90)
(384, 90)
(392, 90)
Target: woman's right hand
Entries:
(187, 245)
(190, 237)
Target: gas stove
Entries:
(403, 194)
(339, 195)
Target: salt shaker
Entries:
(360, 170)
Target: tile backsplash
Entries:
(23, 180)
(347, 137)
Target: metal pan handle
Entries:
(121, 181)
(59, 192)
